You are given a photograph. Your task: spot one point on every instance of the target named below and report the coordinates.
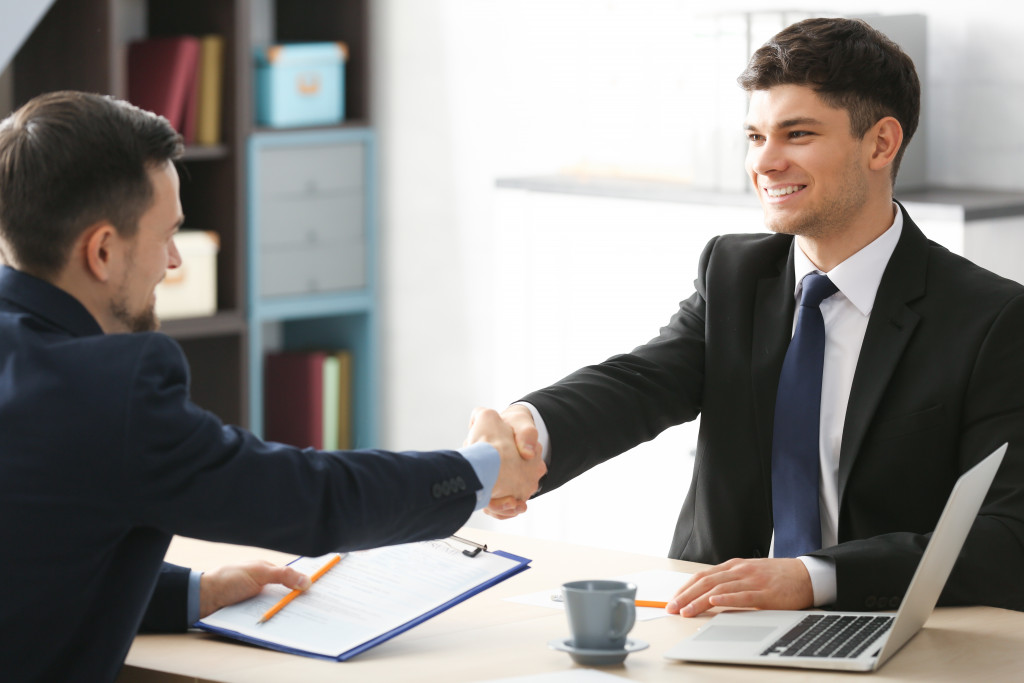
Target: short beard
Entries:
(834, 216)
(143, 322)
(146, 321)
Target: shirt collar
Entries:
(46, 301)
(858, 276)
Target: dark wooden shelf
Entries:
(81, 45)
(223, 323)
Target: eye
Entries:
(797, 134)
(755, 138)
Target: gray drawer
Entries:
(330, 267)
(315, 220)
(290, 171)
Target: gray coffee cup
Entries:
(600, 613)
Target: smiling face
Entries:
(149, 254)
(811, 174)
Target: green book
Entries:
(332, 397)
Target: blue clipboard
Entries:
(521, 564)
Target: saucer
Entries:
(597, 657)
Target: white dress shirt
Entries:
(846, 316)
(846, 320)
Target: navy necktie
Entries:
(795, 458)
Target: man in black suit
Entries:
(103, 456)
(923, 370)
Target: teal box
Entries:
(300, 84)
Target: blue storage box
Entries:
(300, 84)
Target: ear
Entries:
(99, 244)
(884, 139)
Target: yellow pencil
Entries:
(295, 593)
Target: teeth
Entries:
(782, 191)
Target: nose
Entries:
(173, 256)
(767, 158)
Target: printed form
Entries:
(368, 594)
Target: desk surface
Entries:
(488, 638)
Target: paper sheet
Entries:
(369, 593)
(653, 584)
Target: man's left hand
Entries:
(766, 583)
(228, 585)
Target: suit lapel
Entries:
(774, 307)
(890, 327)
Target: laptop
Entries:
(848, 641)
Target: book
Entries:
(332, 388)
(293, 398)
(163, 78)
(370, 597)
(211, 77)
(344, 414)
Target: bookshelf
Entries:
(82, 45)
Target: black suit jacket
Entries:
(103, 458)
(939, 384)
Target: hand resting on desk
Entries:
(764, 583)
(235, 583)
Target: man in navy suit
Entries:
(923, 370)
(103, 457)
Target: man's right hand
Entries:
(520, 419)
(519, 474)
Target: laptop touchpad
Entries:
(735, 634)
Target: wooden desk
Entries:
(488, 637)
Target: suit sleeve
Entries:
(991, 563)
(603, 410)
(186, 473)
(166, 611)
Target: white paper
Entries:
(369, 593)
(654, 584)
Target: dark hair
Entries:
(850, 66)
(69, 160)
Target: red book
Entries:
(163, 77)
(293, 391)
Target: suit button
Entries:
(446, 487)
(870, 602)
(894, 602)
(437, 491)
(460, 483)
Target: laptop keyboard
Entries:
(830, 635)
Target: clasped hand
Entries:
(521, 463)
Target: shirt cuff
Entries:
(192, 610)
(823, 578)
(485, 461)
(542, 431)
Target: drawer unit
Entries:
(288, 171)
(314, 221)
(288, 271)
(310, 213)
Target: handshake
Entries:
(514, 435)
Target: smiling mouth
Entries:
(777, 192)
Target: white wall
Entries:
(470, 90)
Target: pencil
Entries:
(651, 603)
(296, 593)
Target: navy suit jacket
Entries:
(103, 458)
(939, 384)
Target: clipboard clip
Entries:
(477, 547)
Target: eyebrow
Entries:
(790, 123)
